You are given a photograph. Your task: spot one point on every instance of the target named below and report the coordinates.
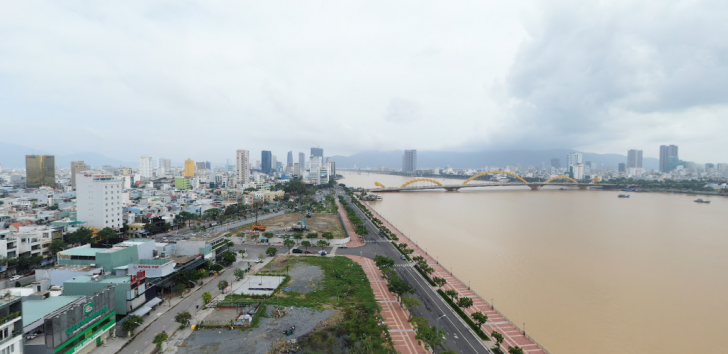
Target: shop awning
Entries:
(142, 311)
(153, 302)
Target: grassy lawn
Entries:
(346, 288)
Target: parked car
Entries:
(308, 252)
(343, 246)
(296, 250)
(401, 256)
(258, 260)
(15, 277)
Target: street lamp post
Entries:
(438, 320)
(524, 328)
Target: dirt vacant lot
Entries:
(316, 223)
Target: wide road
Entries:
(459, 337)
(219, 228)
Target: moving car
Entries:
(14, 278)
(258, 260)
(296, 250)
(343, 246)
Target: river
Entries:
(586, 271)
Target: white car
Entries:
(343, 246)
(258, 260)
(14, 278)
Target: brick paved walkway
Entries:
(356, 240)
(512, 336)
(402, 332)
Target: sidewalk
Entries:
(512, 335)
(356, 240)
(402, 332)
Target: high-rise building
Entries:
(333, 168)
(577, 171)
(40, 170)
(146, 166)
(289, 161)
(208, 165)
(77, 167)
(315, 173)
(199, 166)
(556, 163)
(574, 158)
(318, 152)
(266, 159)
(668, 158)
(164, 166)
(273, 163)
(634, 158)
(409, 161)
(297, 169)
(302, 161)
(621, 167)
(189, 168)
(242, 173)
(98, 200)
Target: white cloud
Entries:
(203, 79)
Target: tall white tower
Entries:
(98, 200)
(146, 166)
(242, 167)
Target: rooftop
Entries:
(34, 310)
(154, 261)
(80, 251)
(105, 279)
(76, 268)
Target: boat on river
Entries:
(702, 201)
(623, 196)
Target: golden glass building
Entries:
(40, 170)
(189, 168)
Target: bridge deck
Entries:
(479, 185)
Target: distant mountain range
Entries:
(13, 156)
(461, 160)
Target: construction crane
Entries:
(301, 225)
(258, 226)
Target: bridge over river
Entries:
(428, 183)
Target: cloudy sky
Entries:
(200, 79)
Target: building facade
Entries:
(164, 166)
(301, 161)
(668, 158)
(266, 159)
(146, 166)
(574, 159)
(189, 168)
(11, 329)
(409, 161)
(40, 170)
(242, 167)
(98, 200)
(634, 158)
(317, 152)
(76, 168)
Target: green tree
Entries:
(298, 236)
(239, 274)
(451, 293)
(271, 251)
(57, 246)
(328, 235)
(465, 302)
(222, 284)
(409, 303)
(498, 338)
(383, 262)
(306, 244)
(322, 243)
(432, 336)
(131, 323)
(159, 339)
(81, 236)
(479, 318)
(228, 257)
(399, 287)
(268, 234)
(439, 281)
(183, 317)
(206, 297)
(515, 350)
(202, 273)
(312, 235)
(179, 288)
(106, 233)
(289, 244)
(211, 213)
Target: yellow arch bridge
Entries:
(521, 181)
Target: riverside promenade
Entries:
(512, 334)
(355, 239)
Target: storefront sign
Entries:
(92, 338)
(88, 308)
(90, 317)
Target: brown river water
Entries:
(586, 271)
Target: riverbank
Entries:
(512, 334)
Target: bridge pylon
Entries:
(535, 187)
(452, 189)
(583, 187)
